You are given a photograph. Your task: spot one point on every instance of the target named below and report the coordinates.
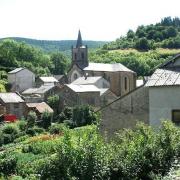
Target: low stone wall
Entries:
(125, 112)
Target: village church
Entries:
(121, 79)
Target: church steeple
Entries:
(80, 53)
(79, 40)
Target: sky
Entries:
(97, 19)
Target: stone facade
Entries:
(71, 98)
(17, 109)
(74, 73)
(117, 80)
(21, 79)
(125, 111)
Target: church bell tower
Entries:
(80, 53)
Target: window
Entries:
(176, 117)
(75, 56)
(82, 55)
(16, 106)
(125, 83)
(75, 76)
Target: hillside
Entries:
(62, 45)
(165, 34)
(143, 63)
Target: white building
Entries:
(164, 93)
(21, 79)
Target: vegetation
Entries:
(54, 46)
(81, 153)
(143, 63)
(14, 54)
(165, 34)
(78, 116)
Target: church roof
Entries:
(79, 40)
(87, 80)
(106, 67)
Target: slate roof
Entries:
(164, 77)
(41, 90)
(87, 80)
(11, 98)
(106, 67)
(15, 70)
(86, 88)
(83, 88)
(48, 79)
(40, 107)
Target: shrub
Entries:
(56, 129)
(7, 164)
(69, 123)
(85, 160)
(31, 132)
(31, 119)
(22, 125)
(38, 130)
(7, 138)
(46, 119)
(83, 115)
(10, 129)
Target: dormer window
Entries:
(75, 56)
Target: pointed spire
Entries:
(79, 40)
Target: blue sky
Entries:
(97, 19)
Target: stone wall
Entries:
(125, 111)
(116, 80)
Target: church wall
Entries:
(116, 79)
(125, 112)
(74, 70)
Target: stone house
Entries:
(38, 108)
(21, 79)
(49, 81)
(75, 94)
(12, 103)
(125, 112)
(151, 103)
(122, 80)
(40, 94)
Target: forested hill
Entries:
(165, 34)
(62, 45)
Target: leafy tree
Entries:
(142, 44)
(60, 63)
(83, 115)
(130, 34)
(53, 102)
(46, 119)
(171, 32)
(31, 119)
